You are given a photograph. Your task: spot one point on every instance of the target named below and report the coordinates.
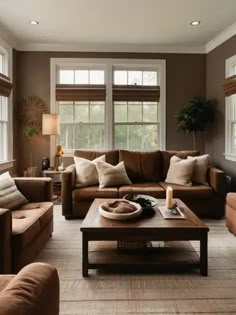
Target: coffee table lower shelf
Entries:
(177, 256)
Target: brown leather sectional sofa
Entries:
(24, 231)
(33, 291)
(147, 171)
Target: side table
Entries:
(57, 179)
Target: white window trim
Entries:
(6, 49)
(108, 64)
(229, 64)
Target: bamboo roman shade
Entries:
(81, 92)
(136, 93)
(230, 85)
(5, 85)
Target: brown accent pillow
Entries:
(142, 166)
(167, 155)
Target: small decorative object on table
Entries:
(173, 213)
(146, 202)
(120, 209)
(45, 164)
(169, 197)
(58, 158)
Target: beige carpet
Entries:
(103, 294)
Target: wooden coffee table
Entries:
(155, 228)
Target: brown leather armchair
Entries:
(33, 291)
(24, 231)
(231, 212)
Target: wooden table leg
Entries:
(85, 255)
(203, 256)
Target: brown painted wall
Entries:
(185, 78)
(215, 72)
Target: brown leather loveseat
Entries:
(147, 172)
(33, 291)
(24, 231)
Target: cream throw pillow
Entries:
(110, 175)
(10, 196)
(180, 171)
(200, 168)
(86, 172)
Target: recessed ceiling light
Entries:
(33, 22)
(195, 23)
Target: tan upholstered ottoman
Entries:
(231, 212)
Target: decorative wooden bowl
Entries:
(121, 216)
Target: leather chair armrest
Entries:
(34, 290)
(35, 189)
(5, 240)
(68, 184)
(217, 180)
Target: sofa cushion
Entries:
(167, 155)
(148, 188)
(231, 200)
(195, 192)
(142, 166)
(111, 156)
(28, 221)
(92, 192)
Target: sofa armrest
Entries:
(68, 184)
(5, 240)
(34, 290)
(217, 180)
(35, 189)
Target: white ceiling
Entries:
(139, 22)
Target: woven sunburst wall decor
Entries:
(29, 114)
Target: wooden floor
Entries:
(103, 294)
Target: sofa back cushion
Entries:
(142, 166)
(111, 156)
(167, 155)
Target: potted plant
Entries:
(195, 116)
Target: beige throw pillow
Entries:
(86, 172)
(180, 171)
(10, 196)
(200, 168)
(110, 175)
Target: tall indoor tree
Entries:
(195, 116)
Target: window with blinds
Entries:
(81, 97)
(111, 104)
(229, 87)
(3, 117)
(136, 95)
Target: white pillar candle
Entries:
(169, 197)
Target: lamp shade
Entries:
(50, 124)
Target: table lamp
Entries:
(50, 127)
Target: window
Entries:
(3, 117)
(230, 114)
(81, 96)
(136, 123)
(109, 103)
(3, 129)
(82, 125)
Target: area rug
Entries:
(139, 294)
